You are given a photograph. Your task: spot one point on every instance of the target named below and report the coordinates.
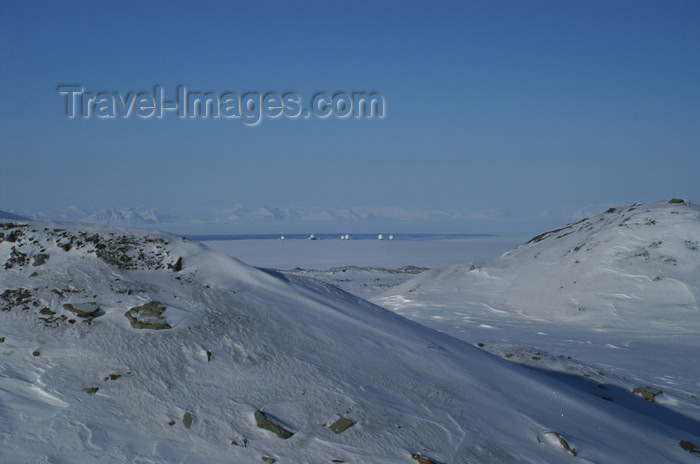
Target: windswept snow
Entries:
(611, 300)
(242, 340)
(629, 269)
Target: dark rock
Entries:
(93, 238)
(689, 447)
(36, 353)
(15, 297)
(83, 310)
(188, 420)
(269, 459)
(91, 390)
(422, 460)
(39, 259)
(148, 316)
(341, 425)
(47, 311)
(264, 422)
(2, 339)
(648, 393)
(564, 444)
(177, 267)
(17, 258)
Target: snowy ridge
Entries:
(237, 215)
(636, 264)
(14, 217)
(629, 268)
(92, 387)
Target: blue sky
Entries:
(516, 114)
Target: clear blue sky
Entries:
(518, 109)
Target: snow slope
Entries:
(632, 268)
(96, 389)
(611, 299)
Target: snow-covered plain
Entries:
(242, 339)
(365, 268)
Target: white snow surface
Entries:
(304, 352)
(631, 268)
(606, 304)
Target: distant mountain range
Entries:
(128, 216)
(143, 217)
(6, 215)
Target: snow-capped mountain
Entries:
(244, 213)
(244, 218)
(136, 346)
(15, 217)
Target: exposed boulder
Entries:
(562, 441)
(39, 259)
(148, 316)
(264, 422)
(689, 447)
(422, 460)
(83, 310)
(188, 420)
(648, 393)
(341, 425)
(177, 267)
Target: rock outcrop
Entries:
(83, 310)
(148, 316)
(264, 422)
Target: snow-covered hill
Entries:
(86, 377)
(609, 304)
(633, 268)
